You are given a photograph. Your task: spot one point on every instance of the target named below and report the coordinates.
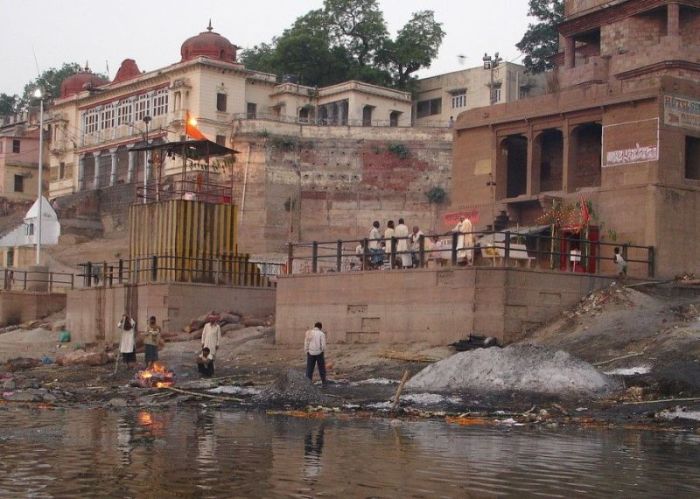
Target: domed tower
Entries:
(208, 44)
(83, 80)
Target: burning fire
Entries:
(157, 376)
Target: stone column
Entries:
(96, 179)
(569, 159)
(132, 165)
(534, 161)
(113, 172)
(81, 172)
(674, 20)
(569, 52)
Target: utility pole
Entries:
(490, 64)
(38, 94)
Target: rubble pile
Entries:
(229, 322)
(519, 368)
(291, 388)
(594, 303)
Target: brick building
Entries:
(622, 131)
(19, 156)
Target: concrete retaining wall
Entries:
(93, 313)
(21, 306)
(437, 306)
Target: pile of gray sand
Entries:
(520, 368)
(290, 388)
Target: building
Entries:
(18, 246)
(96, 124)
(442, 97)
(19, 156)
(622, 131)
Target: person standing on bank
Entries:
(127, 341)
(315, 346)
(401, 234)
(151, 341)
(211, 335)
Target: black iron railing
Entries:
(33, 280)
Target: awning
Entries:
(194, 148)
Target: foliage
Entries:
(284, 143)
(348, 40)
(399, 150)
(541, 40)
(8, 104)
(436, 195)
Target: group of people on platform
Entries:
(407, 245)
(153, 342)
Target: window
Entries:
(497, 94)
(692, 158)
(107, 117)
(429, 108)
(394, 118)
(2, 144)
(30, 229)
(459, 99)
(90, 121)
(221, 140)
(177, 101)
(19, 183)
(143, 107)
(221, 102)
(252, 110)
(15, 146)
(160, 102)
(124, 110)
(62, 170)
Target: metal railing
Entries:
(227, 270)
(489, 249)
(316, 121)
(40, 281)
(191, 190)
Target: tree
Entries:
(261, 57)
(8, 104)
(541, 40)
(416, 45)
(358, 26)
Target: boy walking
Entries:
(315, 346)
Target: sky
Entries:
(46, 33)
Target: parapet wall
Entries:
(22, 306)
(93, 313)
(435, 306)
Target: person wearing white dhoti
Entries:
(465, 246)
(388, 234)
(211, 335)
(401, 234)
(127, 340)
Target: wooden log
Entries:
(397, 397)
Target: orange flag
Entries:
(191, 130)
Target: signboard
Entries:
(451, 219)
(630, 143)
(682, 112)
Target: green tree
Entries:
(8, 104)
(50, 81)
(261, 57)
(416, 45)
(541, 40)
(358, 26)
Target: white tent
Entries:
(26, 234)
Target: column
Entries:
(113, 173)
(569, 159)
(81, 172)
(132, 165)
(674, 20)
(534, 162)
(569, 52)
(96, 179)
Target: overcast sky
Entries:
(151, 31)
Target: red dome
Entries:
(208, 44)
(79, 82)
(127, 71)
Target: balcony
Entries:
(595, 70)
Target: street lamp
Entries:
(491, 63)
(146, 120)
(40, 195)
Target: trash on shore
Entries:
(293, 388)
(522, 368)
(629, 371)
(678, 413)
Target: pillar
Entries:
(132, 166)
(81, 172)
(569, 159)
(674, 20)
(569, 52)
(113, 172)
(534, 162)
(96, 179)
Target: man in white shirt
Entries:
(211, 335)
(376, 252)
(315, 346)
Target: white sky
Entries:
(151, 31)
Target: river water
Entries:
(199, 452)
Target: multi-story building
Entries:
(623, 131)
(96, 124)
(19, 156)
(441, 98)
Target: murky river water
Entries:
(206, 453)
